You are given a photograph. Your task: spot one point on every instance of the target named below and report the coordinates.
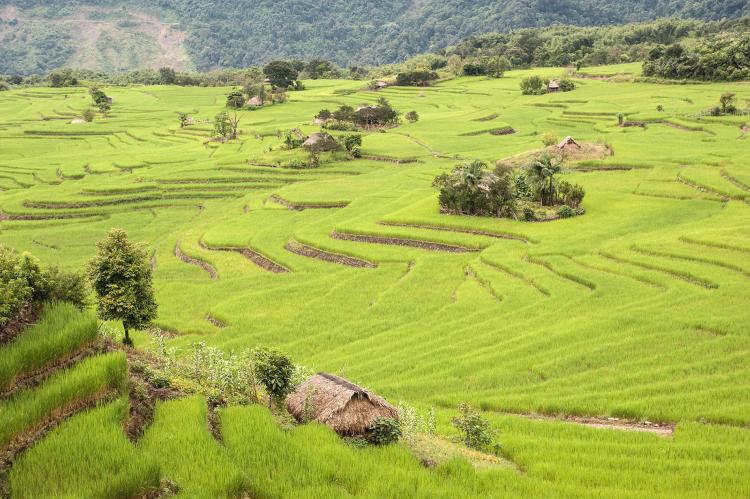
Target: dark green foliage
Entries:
(567, 85)
(474, 429)
(384, 431)
(324, 114)
(487, 66)
(724, 56)
(100, 99)
(533, 85)
(22, 281)
(167, 76)
(412, 117)
(62, 78)
(235, 99)
(416, 78)
(380, 114)
(120, 274)
(274, 371)
(280, 74)
(540, 173)
(565, 211)
(470, 189)
(570, 194)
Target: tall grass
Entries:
(180, 442)
(61, 331)
(87, 456)
(86, 381)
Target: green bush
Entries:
(384, 431)
(415, 78)
(412, 117)
(470, 189)
(474, 429)
(533, 85)
(566, 211)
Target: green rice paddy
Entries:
(636, 310)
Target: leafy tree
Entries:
(120, 274)
(548, 139)
(88, 115)
(235, 99)
(222, 125)
(470, 189)
(324, 114)
(167, 76)
(352, 143)
(281, 74)
(474, 429)
(275, 371)
(412, 117)
(533, 85)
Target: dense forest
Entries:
(358, 32)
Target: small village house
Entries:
(553, 86)
(568, 143)
(320, 141)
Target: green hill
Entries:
(40, 35)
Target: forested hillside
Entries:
(39, 35)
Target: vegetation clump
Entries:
(366, 116)
(475, 430)
(471, 189)
(24, 283)
(384, 431)
(416, 78)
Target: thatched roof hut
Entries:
(568, 143)
(553, 86)
(255, 101)
(320, 141)
(345, 407)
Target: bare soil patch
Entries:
(310, 252)
(26, 317)
(260, 260)
(587, 151)
(194, 261)
(661, 429)
(476, 232)
(397, 241)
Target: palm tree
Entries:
(541, 173)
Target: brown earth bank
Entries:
(476, 232)
(26, 317)
(305, 206)
(309, 251)
(255, 257)
(397, 241)
(194, 261)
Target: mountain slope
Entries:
(217, 34)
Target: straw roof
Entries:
(553, 84)
(345, 407)
(320, 141)
(568, 141)
(255, 101)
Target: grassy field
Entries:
(637, 309)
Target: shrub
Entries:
(324, 114)
(474, 429)
(14, 286)
(274, 371)
(567, 85)
(620, 118)
(88, 115)
(4, 86)
(529, 215)
(660, 108)
(384, 431)
(352, 143)
(412, 117)
(533, 85)
(548, 139)
(565, 211)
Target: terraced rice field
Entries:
(638, 310)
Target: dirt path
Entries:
(194, 261)
(310, 252)
(661, 429)
(397, 241)
(255, 257)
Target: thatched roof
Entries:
(345, 407)
(320, 141)
(568, 142)
(255, 101)
(553, 84)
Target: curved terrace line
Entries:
(258, 259)
(326, 256)
(398, 241)
(194, 261)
